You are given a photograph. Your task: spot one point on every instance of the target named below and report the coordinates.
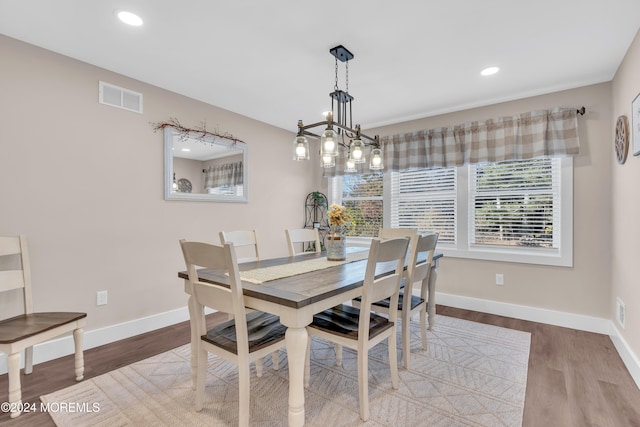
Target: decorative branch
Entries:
(200, 133)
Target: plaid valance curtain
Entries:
(544, 133)
(225, 175)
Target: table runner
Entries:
(265, 274)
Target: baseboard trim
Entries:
(628, 357)
(63, 346)
(551, 317)
(523, 312)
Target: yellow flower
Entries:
(338, 215)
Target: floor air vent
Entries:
(119, 97)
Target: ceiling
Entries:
(270, 60)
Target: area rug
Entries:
(471, 375)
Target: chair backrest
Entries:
(302, 235)
(245, 243)
(418, 271)
(15, 268)
(392, 233)
(228, 300)
(382, 251)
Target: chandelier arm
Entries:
(373, 141)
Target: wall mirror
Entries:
(204, 168)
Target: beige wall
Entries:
(584, 288)
(84, 182)
(625, 191)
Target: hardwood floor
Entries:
(575, 378)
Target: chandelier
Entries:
(339, 131)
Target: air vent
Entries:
(119, 97)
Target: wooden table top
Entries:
(303, 289)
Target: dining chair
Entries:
(245, 241)
(21, 332)
(417, 273)
(303, 235)
(248, 337)
(359, 328)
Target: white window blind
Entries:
(515, 203)
(425, 199)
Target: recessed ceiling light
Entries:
(489, 71)
(129, 18)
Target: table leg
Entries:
(431, 304)
(296, 340)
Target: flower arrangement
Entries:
(338, 215)
(338, 219)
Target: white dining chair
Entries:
(21, 332)
(417, 274)
(248, 337)
(302, 236)
(359, 328)
(245, 243)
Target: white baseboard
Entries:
(628, 357)
(551, 317)
(64, 346)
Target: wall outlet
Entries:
(500, 279)
(101, 298)
(620, 312)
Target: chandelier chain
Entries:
(346, 65)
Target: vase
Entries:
(336, 245)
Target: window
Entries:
(362, 195)
(519, 211)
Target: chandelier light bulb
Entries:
(350, 166)
(300, 148)
(328, 142)
(328, 161)
(376, 159)
(357, 151)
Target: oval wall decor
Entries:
(622, 139)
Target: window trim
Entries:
(562, 256)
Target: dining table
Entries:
(296, 288)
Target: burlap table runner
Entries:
(265, 274)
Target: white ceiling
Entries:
(270, 60)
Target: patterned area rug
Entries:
(471, 375)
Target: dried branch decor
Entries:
(200, 133)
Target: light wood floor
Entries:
(575, 378)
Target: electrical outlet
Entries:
(500, 279)
(101, 298)
(620, 312)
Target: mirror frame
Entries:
(169, 136)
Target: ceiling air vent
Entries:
(120, 97)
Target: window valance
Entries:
(543, 133)
(225, 175)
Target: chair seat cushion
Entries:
(344, 319)
(26, 325)
(263, 329)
